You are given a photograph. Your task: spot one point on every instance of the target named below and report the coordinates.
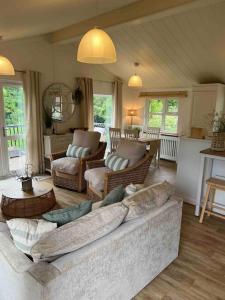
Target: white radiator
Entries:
(169, 147)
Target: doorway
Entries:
(103, 114)
(12, 124)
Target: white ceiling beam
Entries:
(131, 12)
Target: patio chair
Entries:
(68, 172)
(101, 180)
(131, 134)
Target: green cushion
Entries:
(116, 195)
(66, 215)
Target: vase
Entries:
(218, 141)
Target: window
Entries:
(162, 113)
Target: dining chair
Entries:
(151, 132)
(131, 134)
(114, 136)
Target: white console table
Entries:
(211, 165)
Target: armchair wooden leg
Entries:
(204, 204)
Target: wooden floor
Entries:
(199, 271)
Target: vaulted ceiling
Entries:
(174, 51)
(25, 18)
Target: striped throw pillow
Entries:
(26, 232)
(115, 162)
(78, 152)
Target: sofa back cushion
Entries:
(115, 162)
(131, 150)
(80, 232)
(26, 232)
(77, 152)
(86, 139)
(68, 214)
(162, 192)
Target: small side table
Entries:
(18, 204)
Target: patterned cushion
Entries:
(78, 152)
(26, 232)
(68, 214)
(68, 165)
(79, 233)
(115, 162)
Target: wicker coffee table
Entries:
(18, 204)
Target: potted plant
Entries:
(218, 129)
(26, 178)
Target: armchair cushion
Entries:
(87, 139)
(131, 150)
(96, 177)
(68, 165)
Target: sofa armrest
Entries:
(95, 164)
(15, 258)
(57, 155)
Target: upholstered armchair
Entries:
(101, 180)
(68, 172)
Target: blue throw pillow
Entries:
(69, 214)
(116, 195)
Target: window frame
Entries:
(164, 112)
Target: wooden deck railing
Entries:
(15, 135)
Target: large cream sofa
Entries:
(115, 267)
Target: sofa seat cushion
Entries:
(68, 165)
(131, 150)
(96, 177)
(68, 214)
(87, 139)
(26, 232)
(80, 232)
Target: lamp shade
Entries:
(96, 47)
(132, 112)
(6, 67)
(135, 81)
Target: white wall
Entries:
(131, 100)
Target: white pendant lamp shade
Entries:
(96, 47)
(135, 81)
(6, 68)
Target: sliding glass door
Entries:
(12, 128)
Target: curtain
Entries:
(117, 103)
(86, 86)
(34, 122)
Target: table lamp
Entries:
(132, 113)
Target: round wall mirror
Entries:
(58, 102)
